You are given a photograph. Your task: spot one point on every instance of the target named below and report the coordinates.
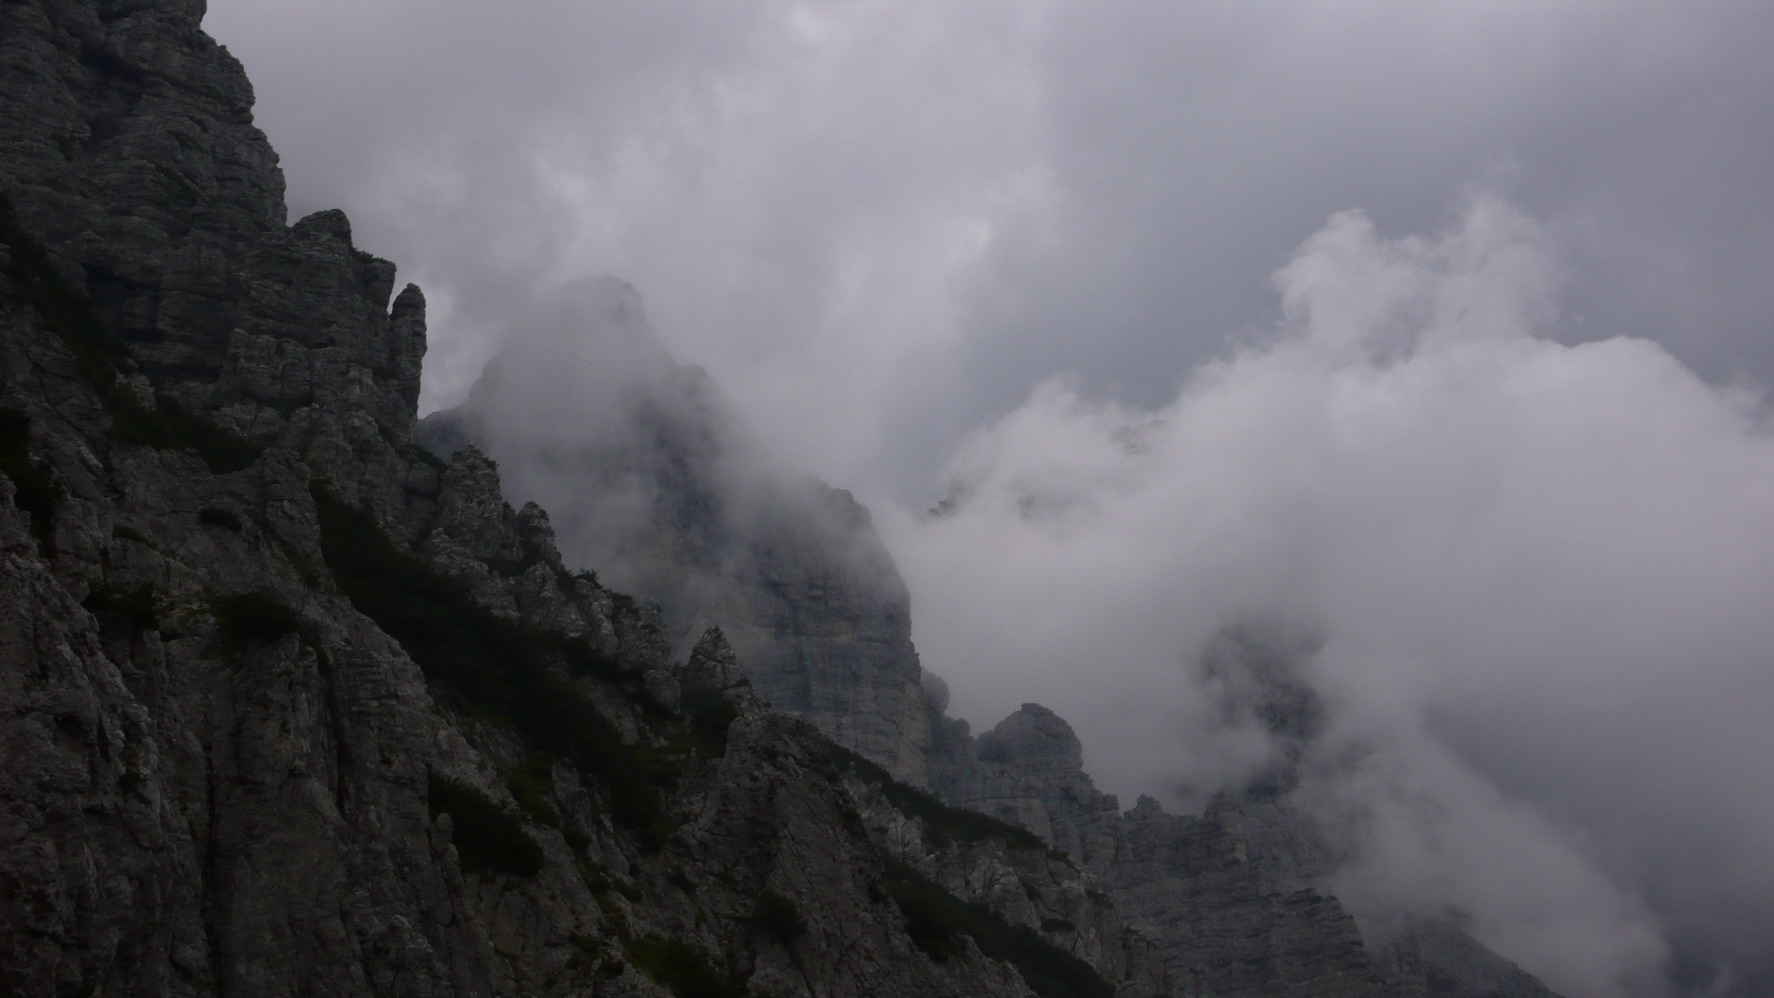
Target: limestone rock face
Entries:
(654, 486)
(1029, 771)
(289, 706)
(292, 706)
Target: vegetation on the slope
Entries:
(937, 921)
(942, 824)
(529, 678)
(530, 784)
(486, 838)
(686, 972)
(247, 619)
(102, 359)
(213, 516)
(138, 606)
(779, 917)
(34, 491)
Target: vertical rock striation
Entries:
(655, 486)
(290, 706)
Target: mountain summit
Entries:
(293, 706)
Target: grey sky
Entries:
(881, 224)
(928, 208)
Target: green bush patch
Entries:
(138, 606)
(34, 491)
(486, 838)
(530, 784)
(942, 824)
(169, 427)
(778, 917)
(711, 713)
(213, 516)
(247, 619)
(937, 921)
(527, 677)
(683, 970)
(102, 359)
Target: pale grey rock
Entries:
(1029, 771)
(211, 797)
(208, 798)
(665, 498)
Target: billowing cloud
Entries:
(1488, 475)
(1534, 576)
(879, 222)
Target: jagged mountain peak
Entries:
(293, 706)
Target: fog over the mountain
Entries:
(1535, 577)
(1429, 337)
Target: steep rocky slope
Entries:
(290, 707)
(651, 479)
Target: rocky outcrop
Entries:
(653, 483)
(1029, 771)
(290, 706)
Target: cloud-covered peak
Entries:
(1527, 581)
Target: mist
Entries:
(1533, 577)
(1495, 466)
(881, 223)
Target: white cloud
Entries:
(1522, 559)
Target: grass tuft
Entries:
(937, 923)
(683, 970)
(942, 824)
(34, 491)
(138, 606)
(523, 676)
(102, 359)
(247, 619)
(486, 838)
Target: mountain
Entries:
(650, 476)
(291, 705)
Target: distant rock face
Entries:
(289, 706)
(654, 486)
(1029, 771)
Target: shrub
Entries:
(711, 713)
(212, 516)
(936, 921)
(102, 358)
(169, 427)
(523, 676)
(34, 491)
(486, 838)
(683, 970)
(138, 606)
(530, 784)
(247, 619)
(779, 917)
(942, 824)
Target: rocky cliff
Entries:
(653, 481)
(290, 706)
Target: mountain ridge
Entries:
(293, 706)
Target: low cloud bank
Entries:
(1531, 582)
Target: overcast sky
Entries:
(887, 228)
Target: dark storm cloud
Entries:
(1536, 553)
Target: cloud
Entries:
(883, 222)
(1489, 472)
(1534, 574)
